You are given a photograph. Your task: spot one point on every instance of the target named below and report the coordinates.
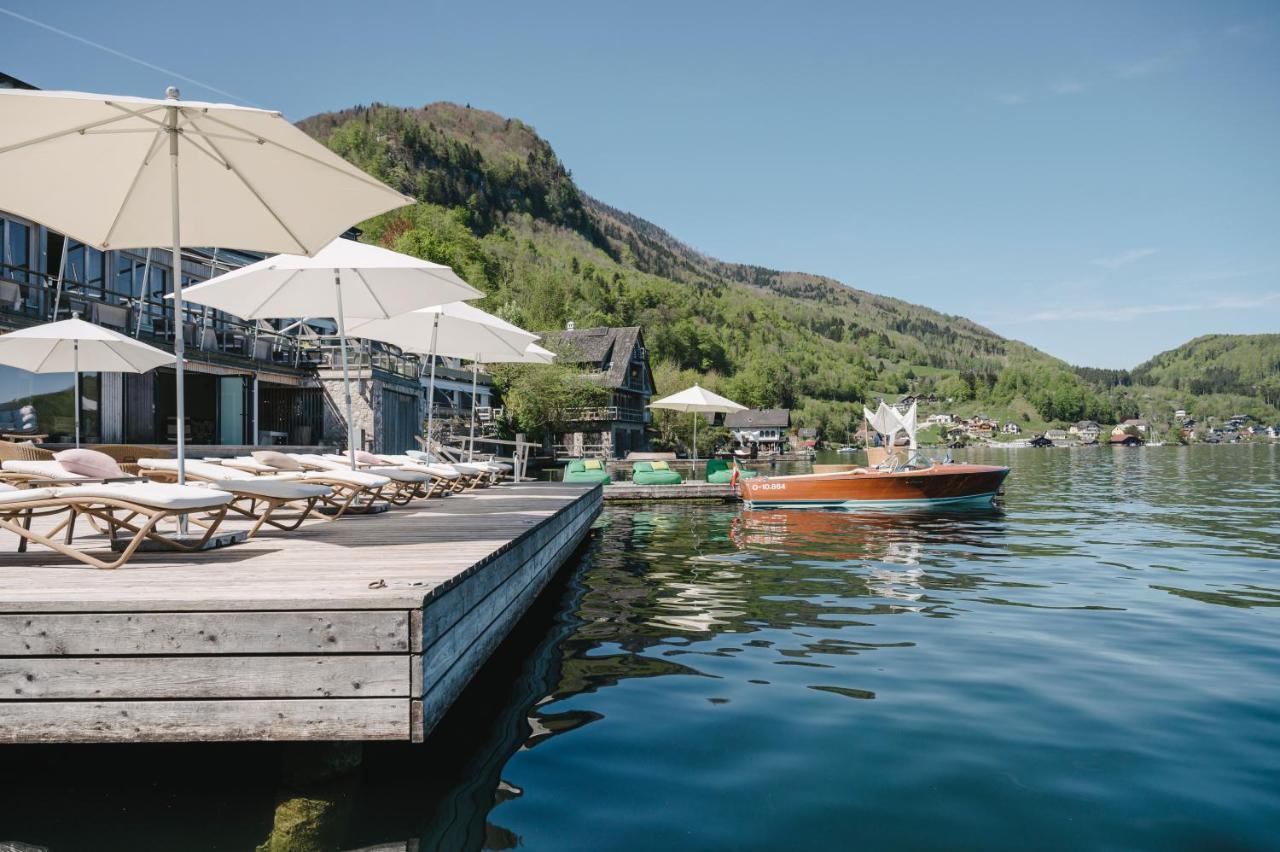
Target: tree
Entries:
(544, 397)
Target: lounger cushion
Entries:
(9, 494)
(252, 465)
(408, 462)
(196, 469)
(349, 477)
(399, 474)
(280, 461)
(90, 463)
(47, 469)
(153, 494)
(276, 488)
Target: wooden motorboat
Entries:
(935, 485)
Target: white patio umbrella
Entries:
(532, 354)
(697, 400)
(344, 279)
(107, 171)
(57, 347)
(455, 330)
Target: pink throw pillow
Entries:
(90, 463)
(364, 457)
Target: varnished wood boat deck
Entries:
(281, 637)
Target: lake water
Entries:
(1094, 664)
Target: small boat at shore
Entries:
(889, 484)
(937, 484)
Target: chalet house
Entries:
(1180, 414)
(941, 419)
(1086, 430)
(981, 427)
(1011, 428)
(1140, 425)
(767, 429)
(1056, 434)
(618, 360)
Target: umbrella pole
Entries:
(346, 377)
(431, 386)
(75, 366)
(471, 446)
(695, 443)
(178, 342)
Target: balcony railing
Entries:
(607, 413)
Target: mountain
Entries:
(497, 204)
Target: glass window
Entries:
(41, 404)
(17, 250)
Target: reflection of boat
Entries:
(847, 450)
(937, 484)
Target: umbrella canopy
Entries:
(456, 330)
(698, 400)
(534, 354)
(124, 172)
(99, 168)
(344, 279)
(61, 347)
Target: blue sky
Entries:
(1101, 180)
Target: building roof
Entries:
(606, 349)
(8, 82)
(752, 419)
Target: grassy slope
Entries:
(498, 205)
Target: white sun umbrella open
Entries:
(697, 400)
(126, 172)
(454, 330)
(62, 347)
(344, 279)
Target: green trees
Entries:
(545, 396)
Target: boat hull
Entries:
(940, 485)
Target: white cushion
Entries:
(349, 477)
(400, 474)
(48, 469)
(9, 494)
(277, 488)
(195, 469)
(154, 494)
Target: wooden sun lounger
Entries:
(256, 497)
(137, 508)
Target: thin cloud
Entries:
(1068, 87)
(1124, 258)
(1011, 99)
(1127, 313)
(1158, 64)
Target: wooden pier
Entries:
(366, 628)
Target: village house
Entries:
(1056, 434)
(1011, 428)
(1086, 430)
(1140, 425)
(940, 419)
(981, 427)
(766, 429)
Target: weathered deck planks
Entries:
(281, 637)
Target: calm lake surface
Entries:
(1094, 664)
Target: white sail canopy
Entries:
(888, 421)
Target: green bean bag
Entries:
(654, 473)
(589, 471)
(720, 472)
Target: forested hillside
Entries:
(498, 205)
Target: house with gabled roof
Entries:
(618, 359)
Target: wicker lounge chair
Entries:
(133, 508)
(256, 497)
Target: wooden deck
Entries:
(363, 628)
(630, 492)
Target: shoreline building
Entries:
(618, 359)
